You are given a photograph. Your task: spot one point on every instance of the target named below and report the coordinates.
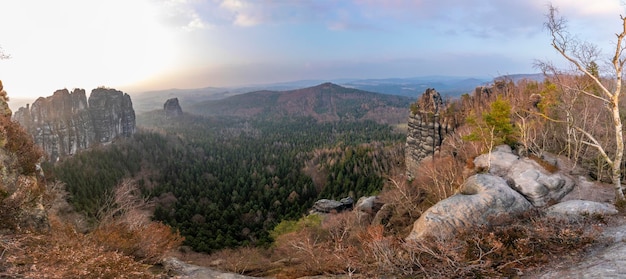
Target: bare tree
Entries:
(582, 56)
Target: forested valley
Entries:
(226, 182)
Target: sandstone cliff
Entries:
(172, 108)
(427, 126)
(65, 122)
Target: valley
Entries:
(226, 178)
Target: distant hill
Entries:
(148, 101)
(448, 86)
(413, 87)
(518, 77)
(324, 102)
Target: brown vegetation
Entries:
(508, 246)
(123, 245)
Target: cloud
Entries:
(181, 14)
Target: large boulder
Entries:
(481, 197)
(576, 208)
(366, 208)
(529, 178)
(332, 206)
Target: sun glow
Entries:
(77, 43)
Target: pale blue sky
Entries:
(140, 45)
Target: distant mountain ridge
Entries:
(324, 102)
(448, 86)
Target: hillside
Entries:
(324, 102)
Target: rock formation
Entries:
(65, 122)
(329, 206)
(577, 208)
(427, 127)
(112, 114)
(481, 197)
(526, 176)
(172, 108)
(509, 185)
(21, 183)
(367, 208)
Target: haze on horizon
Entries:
(143, 45)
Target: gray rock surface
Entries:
(64, 123)
(526, 176)
(481, 197)
(180, 269)
(328, 206)
(60, 124)
(383, 215)
(172, 108)
(426, 129)
(607, 261)
(575, 208)
(366, 209)
(112, 114)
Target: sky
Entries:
(143, 45)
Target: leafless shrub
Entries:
(124, 226)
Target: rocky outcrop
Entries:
(366, 209)
(112, 114)
(172, 108)
(578, 208)
(508, 184)
(427, 127)
(66, 122)
(481, 197)
(21, 183)
(332, 206)
(526, 176)
(60, 124)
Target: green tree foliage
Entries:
(495, 126)
(226, 182)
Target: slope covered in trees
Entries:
(325, 102)
(225, 182)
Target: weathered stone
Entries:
(498, 162)
(112, 113)
(180, 269)
(328, 206)
(172, 108)
(425, 133)
(64, 123)
(606, 261)
(366, 208)
(481, 197)
(383, 215)
(578, 208)
(526, 176)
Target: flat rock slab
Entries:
(608, 262)
(574, 208)
(188, 271)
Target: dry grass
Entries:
(63, 253)
(123, 245)
(507, 247)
